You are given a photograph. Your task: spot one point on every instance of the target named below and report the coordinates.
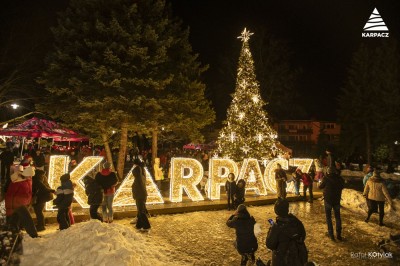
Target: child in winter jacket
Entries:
(95, 196)
(230, 188)
(63, 201)
(240, 193)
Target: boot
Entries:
(381, 220)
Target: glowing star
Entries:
(215, 155)
(245, 35)
(245, 149)
(219, 171)
(255, 99)
(260, 137)
(241, 116)
(243, 84)
(123, 196)
(264, 161)
(251, 173)
(185, 175)
(232, 137)
(269, 173)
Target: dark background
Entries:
(322, 35)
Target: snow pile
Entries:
(96, 243)
(360, 174)
(355, 201)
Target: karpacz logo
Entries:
(376, 26)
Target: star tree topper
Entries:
(245, 35)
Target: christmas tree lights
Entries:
(247, 133)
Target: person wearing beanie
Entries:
(246, 242)
(286, 237)
(63, 201)
(108, 180)
(332, 185)
(376, 192)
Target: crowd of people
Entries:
(27, 186)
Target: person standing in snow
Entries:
(42, 192)
(246, 242)
(280, 179)
(286, 237)
(307, 185)
(230, 188)
(107, 179)
(240, 193)
(139, 194)
(370, 172)
(95, 196)
(332, 184)
(376, 192)
(63, 201)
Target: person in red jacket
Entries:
(307, 184)
(18, 197)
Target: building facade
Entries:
(304, 136)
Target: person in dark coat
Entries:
(139, 194)
(286, 238)
(42, 193)
(107, 179)
(95, 196)
(7, 160)
(230, 188)
(240, 193)
(246, 242)
(332, 184)
(39, 160)
(65, 195)
(280, 179)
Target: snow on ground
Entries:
(202, 238)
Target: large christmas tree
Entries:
(247, 133)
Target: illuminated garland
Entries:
(123, 196)
(251, 173)
(185, 181)
(219, 171)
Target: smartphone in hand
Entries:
(271, 222)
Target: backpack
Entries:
(297, 253)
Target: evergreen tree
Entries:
(368, 104)
(127, 65)
(247, 133)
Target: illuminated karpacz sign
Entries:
(185, 175)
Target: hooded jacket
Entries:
(19, 192)
(65, 193)
(375, 189)
(107, 180)
(244, 224)
(278, 239)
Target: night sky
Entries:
(322, 35)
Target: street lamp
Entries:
(15, 107)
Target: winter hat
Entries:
(281, 207)
(241, 208)
(106, 165)
(65, 177)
